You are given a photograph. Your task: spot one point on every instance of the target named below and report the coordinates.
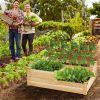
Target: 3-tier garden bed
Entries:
(77, 56)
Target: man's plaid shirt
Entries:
(20, 17)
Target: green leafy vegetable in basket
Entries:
(31, 18)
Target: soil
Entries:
(5, 60)
(23, 92)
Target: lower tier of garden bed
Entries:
(46, 79)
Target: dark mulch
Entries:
(5, 60)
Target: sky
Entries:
(3, 7)
(89, 2)
(1, 1)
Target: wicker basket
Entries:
(6, 19)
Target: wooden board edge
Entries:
(57, 87)
(90, 83)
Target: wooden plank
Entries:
(96, 19)
(66, 88)
(94, 68)
(95, 26)
(47, 79)
(6, 19)
(91, 81)
(56, 82)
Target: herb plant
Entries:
(31, 19)
(46, 65)
(76, 74)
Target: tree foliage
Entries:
(96, 9)
(51, 9)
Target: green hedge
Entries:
(51, 25)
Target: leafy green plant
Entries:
(10, 77)
(4, 82)
(3, 31)
(85, 33)
(13, 72)
(77, 23)
(50, 39)
(41, 41)
(92, 46)
(34, 19)
(46, 65)
(51, 25)
(31, 18)
(4, 49)
(4, 46)
(75, 74)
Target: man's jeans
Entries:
(14, 37)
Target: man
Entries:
(28, 34)
(14, 30)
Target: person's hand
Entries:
(35, 23)
(15, 23)
(20, 22)
(26, 23)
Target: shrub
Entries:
(77, 23)
(51, 25)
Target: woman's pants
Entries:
(29, 38)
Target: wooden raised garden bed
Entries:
(46, 79)
(95, 27)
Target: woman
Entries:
(28, 34)
(14, 31)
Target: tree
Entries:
(51, 9)
(96, 9)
